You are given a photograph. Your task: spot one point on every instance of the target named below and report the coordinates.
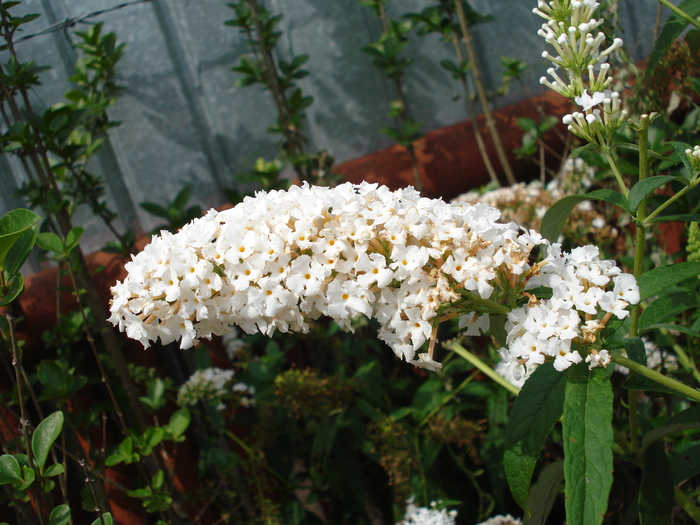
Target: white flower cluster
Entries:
(427, 516)
(571, 29)
(282, 258)
(205, 385)
(694, 157)
(657, 359)
(278, 260)
(502, 520)
(557, 327)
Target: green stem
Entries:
(616, 171)
(683, 390)
(486, 369)
(685, 16)
(686, 504)
(670, 200)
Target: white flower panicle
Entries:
(427, 516)
(560, 327)
(204, 385)
(279, 260)
(214, 384)
(572, 31)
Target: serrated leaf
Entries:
(666, 307)
(535, 411)
(588, 441)
(656, 490)
(45, 434)
(657, 280)
(60, 515)
(644, 187)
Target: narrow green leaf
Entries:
(588, 441)
(155, 209)
(681, 148)
(535, 411)
(60, 515)
(45, 434)
(656, 490)
(653, 436)
(644, 187)
(672, 29)
(611, 196)
(659, 279)
(549, 485)
(681, 217)
(665, 307)
(553, 221)
(51, 242)
(9, 469)
(12, 225)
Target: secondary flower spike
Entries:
(280, 260)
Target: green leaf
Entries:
(12, 226)
(73, 238)
(155, 209)
(644, 187)
(681, 217)
(9, 469)
(666, 307)
(672, 29)
(498, 328)
(54, 470)
(549, 485)
(45, 434)
(535, 411)
(19, 252)
(685, 463)
(657, 280)
(611, 196)
(28, 477)
(179, 422)
(13, 291)
(60, 515)
(553, 221)
(50, 242)
(680, 148)
(105, 520)
(588, 441)
(656, 490)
